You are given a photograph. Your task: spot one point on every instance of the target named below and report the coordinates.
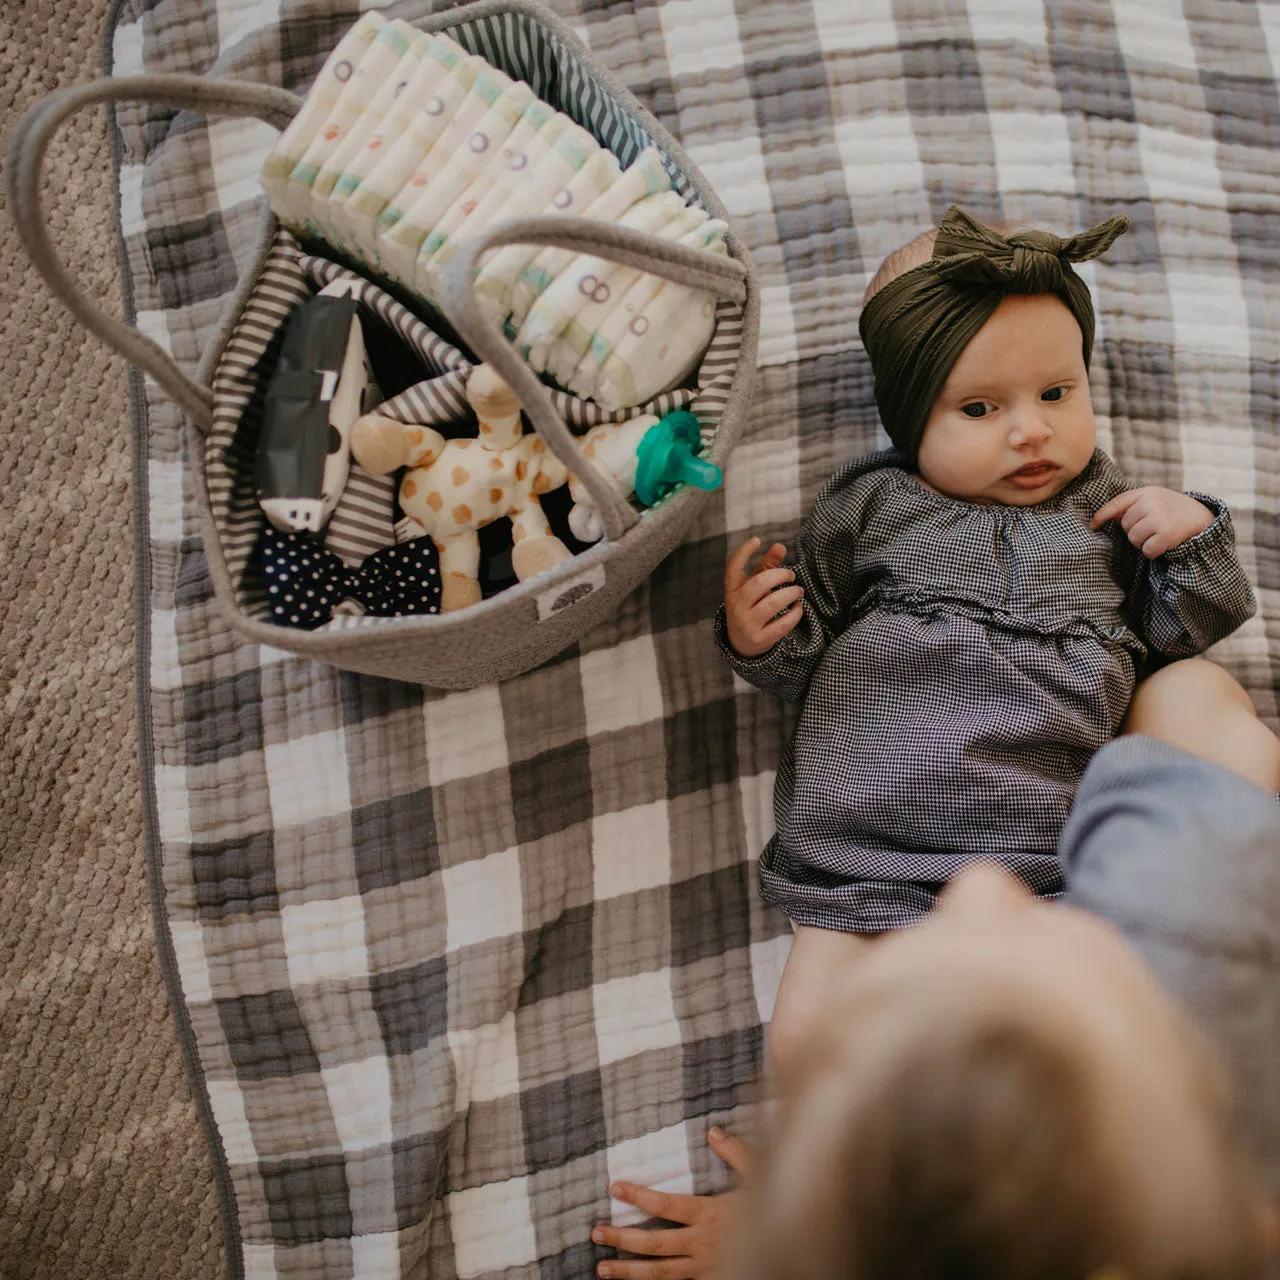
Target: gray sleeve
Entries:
(1195, 594)
(1183, 857)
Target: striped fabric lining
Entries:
(362, 521)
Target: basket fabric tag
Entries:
(569, 592)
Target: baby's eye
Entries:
(976, 409)
(1054, 394)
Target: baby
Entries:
(966, 615)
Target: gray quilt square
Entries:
(215, 1053)
(473, 817)
(627, 767)
(192, 260)
(642, 1093)
(706, 831)
(721, 1071)
(235, 877)
(631, 933)
(556, 1037)
(404, 922)
(481, 979)
(245, 955)
(701, 747)
(495, 1140)
(228, 798)
(314, 861)
(386, 753)
(565, 1203)
(368, 698)
(558, 956)
(290, 1115)
(551, 791)
(394, 840)
(722, 896)
(372, 1190)
(308, 1199)
(340, 1020)
(688, 678)
(556, 874)
(563, 1120)
(412, 1004)
(688, 585)
(715, 995)
(223, 717)
(543, 711)
(266, 1036)
(419, 1168)
(299, 698)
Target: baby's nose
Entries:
(1030, 428)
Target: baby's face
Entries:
(1013, 423)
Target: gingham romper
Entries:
(959, 665)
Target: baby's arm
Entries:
(1189, 589)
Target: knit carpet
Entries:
(103, 1168)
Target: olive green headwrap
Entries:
(915, 328)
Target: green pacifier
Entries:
(668, 456)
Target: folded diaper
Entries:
(646, 177)
(370, 206)
(314, 113)
(498, 275)
(599, 302)
(587, 278)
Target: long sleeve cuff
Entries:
(1219, 536)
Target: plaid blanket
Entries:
(445, 965)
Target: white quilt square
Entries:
(307, 777)
(735, 169)
(1218, 458)
(465, 734)
(132, 221)
(768, 959)
(1033, 152)
(777, 327)
(377, 1256)
(993, 21)
(631, 850)
(635, 1014)
(659, 1160)
(259, 1261)
(240, 18)
(227, 1104)
(193, 965)
(483, 899)
(757, 809)
(487, 1060)
(620, 685)
(868, 24)
(879, 155)
(763, 485)
(126, 50)
(237, 149)
(166, 668)
(1179, 167)
(360, 1097)
(1209, 312)
(173, 816)
(1154, 33)
(324, 940)
(700, 35)
(492, 1228)
(164, 501)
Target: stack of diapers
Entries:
(407, 145)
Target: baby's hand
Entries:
(1156, 519)
(754, 603)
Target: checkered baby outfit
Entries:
(959, 665)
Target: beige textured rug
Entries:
(103, 1168)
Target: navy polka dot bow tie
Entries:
(305, 582)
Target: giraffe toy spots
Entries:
(453, 488)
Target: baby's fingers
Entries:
(776, 628)
(772, 558)
(773, 603)
(760, 585)
(1116, 507)
(735, 569)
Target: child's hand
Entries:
(1156, 519)
(694, 1251)
(753, 601)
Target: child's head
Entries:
(1004, 1092)
(980, 345)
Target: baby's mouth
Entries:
(1033, 475)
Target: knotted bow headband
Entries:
(305, 582)
(916, 326)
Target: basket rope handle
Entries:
(697, 268)
(24, 162)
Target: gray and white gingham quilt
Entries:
(444, 965)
